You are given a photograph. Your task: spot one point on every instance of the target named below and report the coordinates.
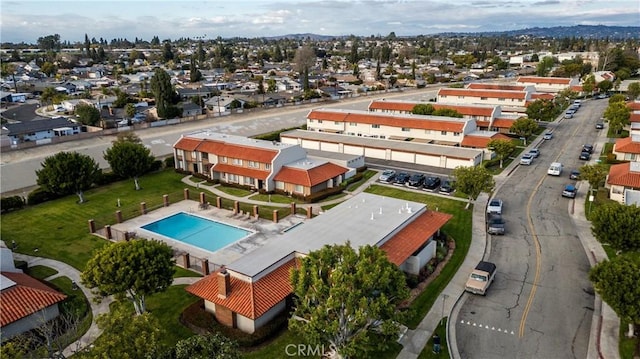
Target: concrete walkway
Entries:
(65, 270)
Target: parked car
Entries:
(387, 176)
(401, 179)
(431, 183)
(574, 175)
(495, 224)
(569, 191)
(568, 115)
(547, 135)
(495, 206)
(585, 156)
(534, 152)
(446, 187)
(599, 126)
(526, 159)
(416, 180)
(587, 148)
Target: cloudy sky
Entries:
(27, 20)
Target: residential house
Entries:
(191, 109)
(41, 129)
(510, 98)
(604, 75)
(628, 148)
(634, 106)
(254, 289)
(622, 178)
(261, 165)
(420, 128)
(634, 128)
(25, 302)
(549, 84)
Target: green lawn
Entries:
(167, 306)
(181, 272)
(41, 272)
(427, 352)
(234, 191)
(59, 229)
(274, 198)
(76, 302)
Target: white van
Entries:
(555, 169)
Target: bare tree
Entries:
(304, 59)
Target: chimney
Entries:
(224, 284)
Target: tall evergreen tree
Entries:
(164, 94)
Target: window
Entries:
(483, 98)
(223, 159)
(337, 123)
(501, 99)
(353, 124)
(237, 161)
(248, 180)
(319, 121)
(456, 133)
(267, 166)
(193, 154)
(428, 132)
(444, 133)
(253, 164)
(279, 185)
(205, 156)
(461, 97)
(406, 129)
(299, 189)
(375, 126)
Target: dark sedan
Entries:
(431, 183)
(416, 180)
(401, 179)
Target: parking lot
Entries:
(430, 182)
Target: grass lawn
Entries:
(427, 352)
(275, 198)
(41, 272)
(181, 272)
(365, 177)
(234, 191)
(167, 306)
(59, 229)
(458, 228)
(76, 302)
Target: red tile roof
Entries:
(247, 153)
(519, 95)
(544, 80)
(626, 145)
(416, 122)
(27, 297)
(621, 175)
(481, 141)
(480, 86)
(634, 105)
(539, 95)
(248, 299)
(483, 123)
(414, 235)
(187, 144)
(241, 171)
(635, 116)
(465, 110)
(310, 177)
(209, 146)
(503, 123)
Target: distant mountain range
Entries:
(584, 31)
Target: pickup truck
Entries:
(480, 278)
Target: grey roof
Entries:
(406, 146)
(331, 155)
(364, 219)
(37, 125)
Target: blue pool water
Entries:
(197, 231)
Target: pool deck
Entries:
(263, 230)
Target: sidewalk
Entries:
(65, 270)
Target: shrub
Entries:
(106, 178)
(39, 195)
(155, 166)
(169, 162)
(10, 203)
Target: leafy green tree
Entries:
(616, 98)
(68, 172)
(423, 109)
(164, 94)
(87, 114)
(618, 115)
(167, 52)
(617, 281)
(544, 66)
(589, 84)
(617, 225)
(127, 336)
(348, 298)
(633, 91)
(48, 95)
(472, 181)
(132, 269)
(130, 110)
(524, 127)
(448, 112)
(129, 159)
(121, 99)
(605, 85)
(48, 69)
(595, 174)
(210, 346)
(542, 110)
(194, 73)
(503, 148)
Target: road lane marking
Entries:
(534, 236)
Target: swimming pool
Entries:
(197, 231)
